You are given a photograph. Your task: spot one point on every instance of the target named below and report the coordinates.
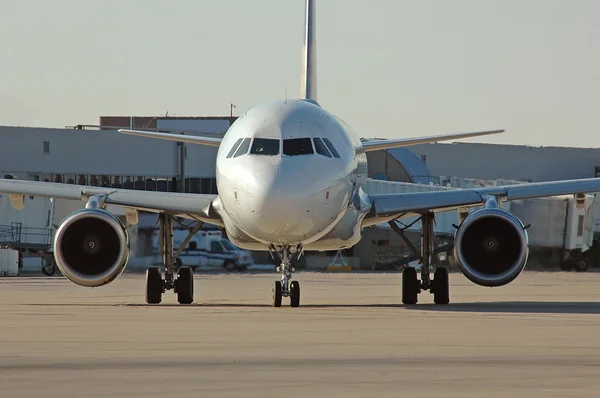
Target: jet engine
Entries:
(91, 247)
(491, 247)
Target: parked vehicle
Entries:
(207, 249)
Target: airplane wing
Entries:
(192, 139)
(386, 207)
(397, 143)
(194, 206)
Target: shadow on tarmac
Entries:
(512, 307)
(515, 307)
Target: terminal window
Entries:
(47, 147)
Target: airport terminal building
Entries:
(100, 156)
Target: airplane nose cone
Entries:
(281, 200)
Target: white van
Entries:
(207, 249)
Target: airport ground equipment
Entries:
(9, 262)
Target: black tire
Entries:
(565, 267)
(185, 285)
(229, 266)
(295, 294)
(154, 285)
(581, 265)
(276, 297)
(441, 286)
(410, 286)
(49, 270)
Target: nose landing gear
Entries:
(285, 287)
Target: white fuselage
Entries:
(286, 185)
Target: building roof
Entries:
(150, 122)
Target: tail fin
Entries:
(309, 55)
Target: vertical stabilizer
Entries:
(309, 55)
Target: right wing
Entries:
(386, 207)
(192, 139)
(402, 142)
(194, 206)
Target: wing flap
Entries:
(402, 142)
(191, 139)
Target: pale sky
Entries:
(390, 68)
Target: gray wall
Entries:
(522, 163)
(97, 152)
(106, 152)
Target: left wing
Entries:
(191, 139)
(397, 143)
(195, 206)
(386, 207)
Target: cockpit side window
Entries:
(265, 146)
(243, 149)
(331, 148)
(235, 146)
(321, 148)
(297, 146)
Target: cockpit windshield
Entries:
(297, 146)
(334, 152)
(265, 146)
(243, 149)
(235, 147)
(321, 148)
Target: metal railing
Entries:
(18, 236)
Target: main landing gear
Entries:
(411, 286)
(156, 282)
(285, 287)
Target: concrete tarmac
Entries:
(351, 337)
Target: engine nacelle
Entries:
(491, 247)
(91, 247)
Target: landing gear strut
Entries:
(158, 283)
(285, 287)
(411, 286)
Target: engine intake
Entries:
(91, 247)
(491, 247)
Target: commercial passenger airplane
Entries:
(290, 177)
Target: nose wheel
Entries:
(285, 287)
(277, 294)
(293, 294)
